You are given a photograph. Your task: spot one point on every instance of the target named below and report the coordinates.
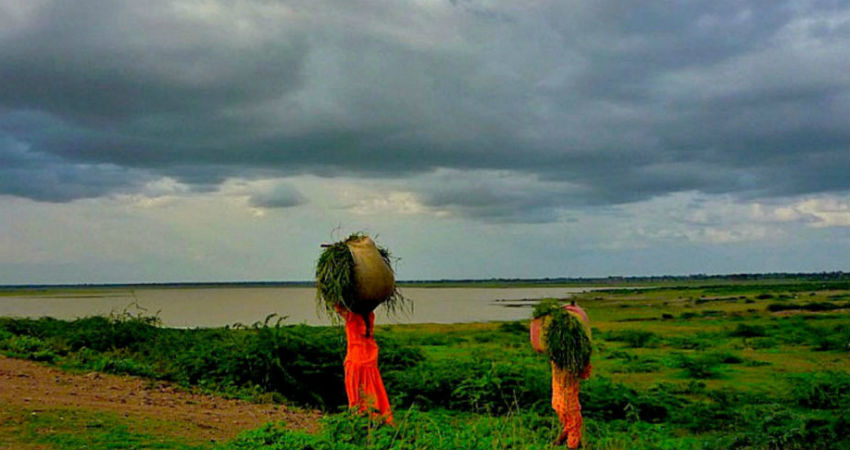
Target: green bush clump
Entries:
(725, 358)
(700, 367)
(100, 333)
(632, 338)
(799, 330)
(284, 359)
(515, 327)
(27, 347)
(811, 306)
(617, 354)
(111, 333)
(604, 399)
(635, 364)
(822, 390)
(704, 416)
(4, 335)
(689, 342)
(29, 327)
(761, 343)
(477, 384)
(748, 330)
(835, 339)
(772, 426)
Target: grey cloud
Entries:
(621, 101)
(279, 196)
(493, 196)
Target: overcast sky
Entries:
(153, 141)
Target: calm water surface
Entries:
(219, 306)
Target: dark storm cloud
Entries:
(101, 62)
(600, 102)
(48, 178)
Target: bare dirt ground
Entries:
(195, 417)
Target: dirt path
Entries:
(191, 416)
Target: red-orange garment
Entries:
(363, 382)
(565, 389)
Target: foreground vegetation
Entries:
(757, 365)
(24, 429)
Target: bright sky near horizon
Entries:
(212, 140)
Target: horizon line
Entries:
(834, 275)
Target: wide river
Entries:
(218, 306)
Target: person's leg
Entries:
(559, 403)
(573, 430)
(572, 424)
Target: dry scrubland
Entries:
(720, 365)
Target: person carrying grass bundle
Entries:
(563, 333)
(353, 277)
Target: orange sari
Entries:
(363, 382)
(565, 387)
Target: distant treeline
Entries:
(610, 280)
(815, 276)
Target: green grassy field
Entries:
(25, 429)
(760, 364)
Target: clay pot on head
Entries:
(373, 278)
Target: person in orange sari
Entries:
(565, 387)
(363, 383)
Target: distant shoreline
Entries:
(611, 281)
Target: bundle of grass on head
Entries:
(356, 275)
(566, 337)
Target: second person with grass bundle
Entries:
(563, 334)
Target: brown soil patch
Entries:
(195, 417)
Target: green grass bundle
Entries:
(545, 307)
(567, 338)
(356, 275)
